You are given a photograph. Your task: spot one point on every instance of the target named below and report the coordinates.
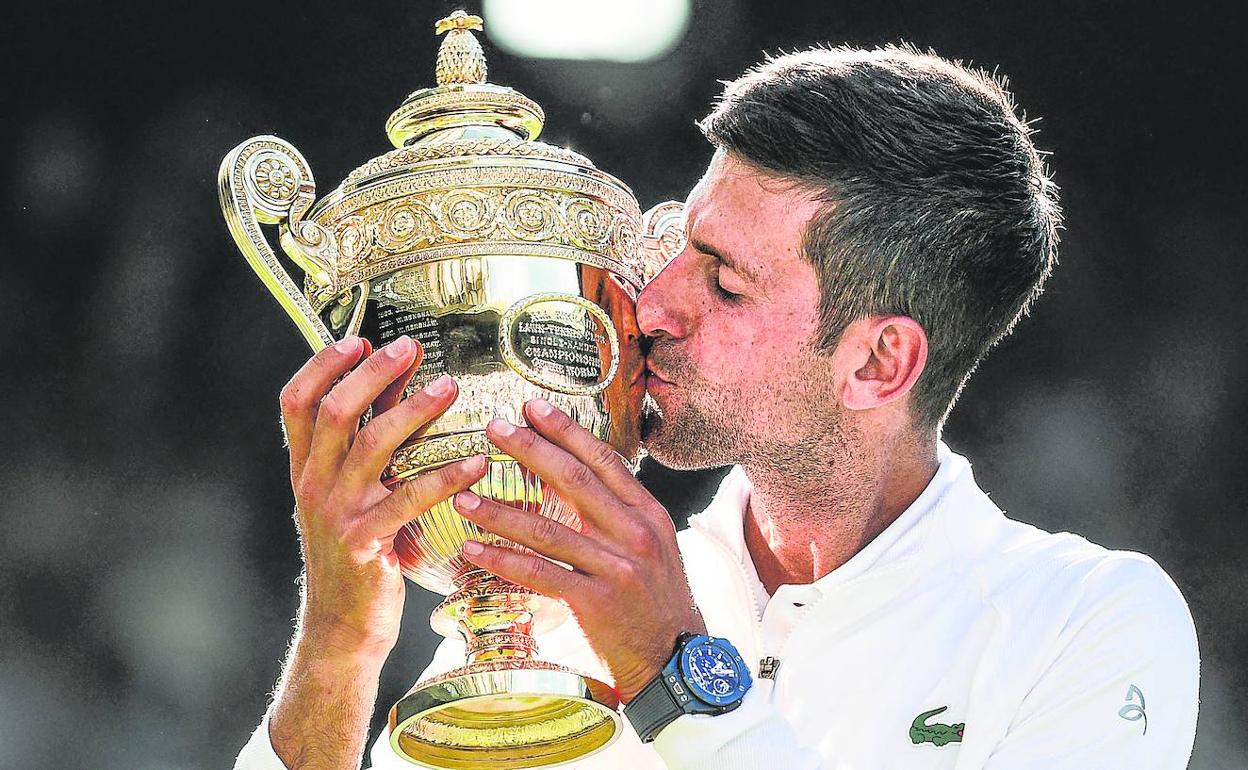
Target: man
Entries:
(871, 224)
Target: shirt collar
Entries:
(901, 541)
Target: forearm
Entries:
(319, 719)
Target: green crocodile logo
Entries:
(921, 732)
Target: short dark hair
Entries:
(939, 207)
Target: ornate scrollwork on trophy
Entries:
(529, 215)
(624, 240)
(266, 180)
(438, 451)
(269, 173)
(272, 181)
(467, 214)
(512, 641)
(406, 157)
(663, 237)
(428, 225)
(589, 223)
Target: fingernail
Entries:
(541, 407)
(400, 347)
(501, 427)
(475, 464)
(473, 548)
(347, 345)
(467, 501)
(439, 387)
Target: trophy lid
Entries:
(462, 97)
(467, 177)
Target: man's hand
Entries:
(353, 589)
(347, 519)
(626, 584)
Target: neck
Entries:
(806, 519)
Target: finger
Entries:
(417, 495)
(338, 417)
(393, 394)
(301, 396)
(530, 571)
(540, 533)
(573, 480)
(376, 442)
(606, 463)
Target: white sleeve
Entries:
(258, 753)
(1122, 688)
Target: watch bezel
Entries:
(741, 671)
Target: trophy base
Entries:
(504, 714)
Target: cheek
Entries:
(757, 356)
(739, 355)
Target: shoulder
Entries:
(1059, 594)
(1012, 563)
(1066, 576)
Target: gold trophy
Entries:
(516, 264)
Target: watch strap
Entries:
(653, 709)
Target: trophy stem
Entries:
(495, 617)
(504, 709)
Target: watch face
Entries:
(714, 671)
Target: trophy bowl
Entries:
(516, 264)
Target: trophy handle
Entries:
(662, 237)
(265, 179)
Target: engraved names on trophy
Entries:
(421, 326)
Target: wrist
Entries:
(629, 686)
(705, 675)
(629, 690)
(342, 644)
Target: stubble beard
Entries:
(688, 435)
(707, 427)
(688, 438)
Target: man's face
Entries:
(734, 376)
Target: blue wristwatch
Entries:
(705, 676)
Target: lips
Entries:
(656, 386)
(655, 372)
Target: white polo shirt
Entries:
(956, 639)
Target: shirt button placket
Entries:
(783, 615)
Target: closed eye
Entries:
(724, 292)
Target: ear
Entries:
(881, 357)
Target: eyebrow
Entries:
(732, 264)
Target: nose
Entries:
(659, 310)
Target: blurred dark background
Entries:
(147, 556)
